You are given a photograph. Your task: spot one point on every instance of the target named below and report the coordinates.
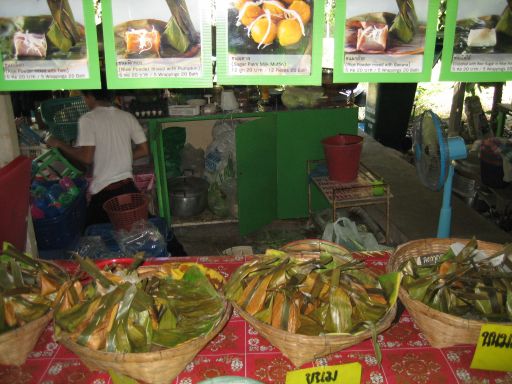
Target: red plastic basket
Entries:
(124, 210)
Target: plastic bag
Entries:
(222, 193)
(301, 97)
(222, 197)
(192, 159)
(174, 139)
(94, 247)
(221, 149)
(345, 232)
(143, 237)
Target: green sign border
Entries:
(339, 75)
(452, 7)
(315, 78)
(114, 82)
(93, 82)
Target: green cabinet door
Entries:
(299, 135)
(257, 173)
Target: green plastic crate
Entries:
(53, 165)
(61, 116)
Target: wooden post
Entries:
(459, 91)
(498, 95)
(9, 147)
(9, 150)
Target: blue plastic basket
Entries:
(62, 231)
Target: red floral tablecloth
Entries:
(239, 351)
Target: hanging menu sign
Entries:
(270, 42)
(377, 40)
(48, 45)
(157, 43)
(478, 41)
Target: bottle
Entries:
(69, 186)
(264, 104)
(65, 200)
(54, 194)
(36, 212)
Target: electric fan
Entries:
(434, 153)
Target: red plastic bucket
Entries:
(342, 153)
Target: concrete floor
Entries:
(414, 214)
(415, 208)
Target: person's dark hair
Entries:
(100, 94)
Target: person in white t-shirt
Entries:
(105, 137)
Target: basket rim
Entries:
(143, 198)
(308, 241)
(34, 324)
(404, 297)
(380, 326)
(422, 307)
(133, 356)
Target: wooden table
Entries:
(240, 351)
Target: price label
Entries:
(494, 349)
(336, 374)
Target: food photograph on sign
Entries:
(156, 28)
(42, 30)
(270, 27)
(483, 26)
(386, 27)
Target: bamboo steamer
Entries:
(16, 345)
(157, 367)
(440, 329)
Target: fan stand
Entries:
(456, 151)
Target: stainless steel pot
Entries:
(188, 195)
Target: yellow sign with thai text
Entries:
(494, 349)
(336, 374)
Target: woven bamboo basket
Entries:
(308, 246)
(441, 329)
(157, 367)
(15, 345)
(301, 349)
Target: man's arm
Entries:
(83, 155)
(141, 150)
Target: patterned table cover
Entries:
(240, 351)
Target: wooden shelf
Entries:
(368, 189)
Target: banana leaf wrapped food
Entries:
(64, 32)
(313, 296)
(405, 25)
(127, 310)
(504, 25)
(28, 288)
(463, 282)
(28, 291)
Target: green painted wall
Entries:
(298, 139)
